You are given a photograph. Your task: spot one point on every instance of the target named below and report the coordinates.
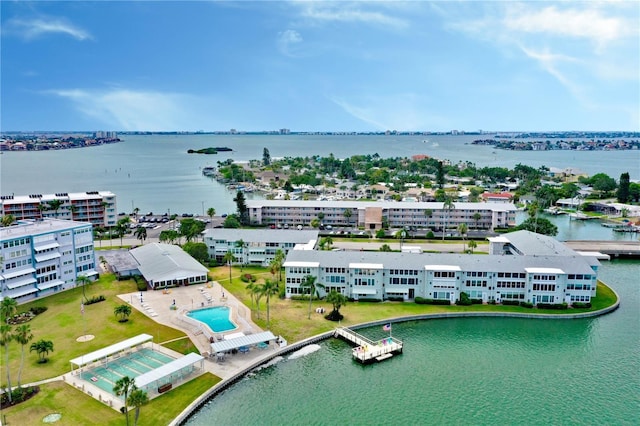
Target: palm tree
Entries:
(278, 262)
(55, 205)
(125, 386)
(253, 289)
(337, 300)
(8, 308)
(5, 338)
(268, 289)
(42, 347)
(141, 234)
(329, 242)
(472, 245)
(8, 219)
(427, 214)
(229, 258)
(476, 217)
(347, 214)
(123, 311)
(462, 230)
(99, 232)
(135, 212)
(82, 280)
(211, 212)
(385, 247)
(23, 336)
(137, 399)
(242, 245)
(121, 227)
(310, 282)
(446, 207)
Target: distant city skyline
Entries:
(323, 66)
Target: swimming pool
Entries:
(217, 318)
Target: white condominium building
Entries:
(372, 215)
(44, 256)
(256, 246)
(96, 207)
(523, 266)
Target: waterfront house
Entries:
(522, 267)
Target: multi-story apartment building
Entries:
(372, 215)
(42, 257)
(256, 246)
(522, 266)
(96, 207)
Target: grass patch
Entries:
(183, 346)
(78, 408)
(63, 323)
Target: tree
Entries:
(241, 205)
(232, 221)
(385, 247)
(99, 233)
(603, 183)
(190, 228)
(472, 245)
(5, 338)
(121, 227)
(440, 179)
(532, 209)
(476, 218)
(141, 234)
(268, 289)
(23, 336)
(447, 206)
(211, 212)
(253, 289)
(539, 225)
(266, 157)
(380, 233)
(623, 193)
(337, 300)
(242, 246)
(137, 399)
(122, 311)
(169, 236)
(347, 215)
(197, 250)
(42, 347)
(8, 308)
(82, 280)
(315, 222)
(310, 283)
(229, 258)
(125, 386)
(55, 205)
(8, 219)
(462, 230)
(279, 259)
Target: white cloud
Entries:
(133, 110)
(590, 24)
(348, 12)
(289, 42)
(34, 28)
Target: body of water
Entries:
(471, 371)
(155, 173)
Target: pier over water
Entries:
(367, 350)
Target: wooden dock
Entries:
(367, 350)
(611, 248)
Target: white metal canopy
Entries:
(167, 369)
(110, 350)
(252, 339)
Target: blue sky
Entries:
(320, 66)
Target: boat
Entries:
(209, 171)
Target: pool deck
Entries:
(193, 297)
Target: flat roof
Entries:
(262, 235)
(251, 339)
(27, 227)
(167, 369)
(110, 350)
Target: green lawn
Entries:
(77, 408)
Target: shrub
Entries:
(558, 306)
(476, 301)
(37, 310)
(95, 299)
(526, 304)
(248, 278)
(423, 301)
(511, 302)
(430, 235)
(464, 299)
(141, 285)
(581, 305)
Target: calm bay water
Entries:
(155, 173)
(476, 371)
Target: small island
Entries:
(210, 150)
